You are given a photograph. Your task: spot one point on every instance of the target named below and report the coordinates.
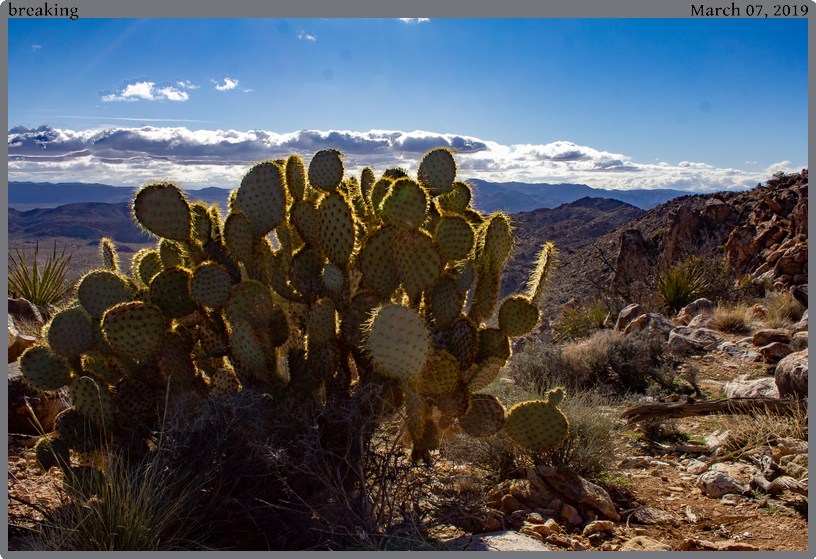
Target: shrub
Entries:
(732, 318)
(606, 360)
(782, 310)
(681, 284)
(579, 322)
(46, 286)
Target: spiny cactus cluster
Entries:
(367, 287)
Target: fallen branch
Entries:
(721, 406)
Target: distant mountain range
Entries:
(511, 197)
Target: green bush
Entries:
(46, 286)
(681, 284)
(579, 322)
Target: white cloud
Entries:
(35, 47)
(186, 84)
(306, 36)
(228, 84)
(148, 91)
(414, 19)
(199, 158)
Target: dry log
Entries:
(708, 407)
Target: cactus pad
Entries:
(437, 171)
(43, 369)
(161, 209)
(147, 264)
(322, 324)
(210, 285)
(110, 260)
(262, 197)
(455, 237)
(52, 451)
(100, 290)
(457, 200)
(247, 348)
(295, 177)
(376, 261)
(417, 260)
(537, 425)
(454, 403)
(406, 204)
(135, 329)
(224, 384)
(446, 301)
(440, 374)
(485, 373)
(306, 219)
(170, 292)
(170, 254)
(250, 301)
(77, 431)
(326, 170)
(336, 228)
(69, 332)
(93, 401)
(398, 342)
(238, 236)
(517, 316)
(485, 417)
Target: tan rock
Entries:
(597, 526)
(644, 543)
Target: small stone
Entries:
(597, 526)
(555, 504)
(578, 546)
(560, 540)
(569, 514)
(730, 545)
(553, 526)
(510, 504)
(644, 543)
(730, 499)
(640, 531)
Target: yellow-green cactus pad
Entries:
(202, 226)
(224, 384)
(455, 237)
(486, 293)
(135, 329)
(43, 369)
(440, 374)
(238, 236)
(380, 190)
(367, 180)
(517, 316)
(493, 343)
(161, 209)
(446, 301)
(536, 426)
(170, 292)
(464, 342)
(77, 431)
(484, 375)
(94, 401)
(246, 348)
(110, 260)
(322, 324)
(457, 200)
(376, 261)
(304, 274)
(134, 397)
(406, 204)
(498, 241)
(437, 171)
(485, 417)
(262, 197)
(336, 228)
(295, 177)
(326, 170)
(69, 332)
(210, 285)
(417, 260)
(250, 301)
(333, 278)
(454, 403)
(306, 219)
(52, 451)
(398, 342)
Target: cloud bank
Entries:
(201, 158)
(146, 90)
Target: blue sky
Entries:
(689, 104)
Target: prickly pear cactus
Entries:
(368, 289)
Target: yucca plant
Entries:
(681, 284)
(40, 287)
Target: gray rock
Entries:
(651, 515)
(716, 484)
(792, 375)
(636, 325)
(774, 352)
(702, 320)
(660, 325)
(760, 388)
(693, 309)
(739, 352)
(799, 341)
(684, 340)
(627, 315)
(496, 541)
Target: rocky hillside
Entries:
(762, 233)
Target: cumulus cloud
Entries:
(306, 36)
(200, 158)
(35, 47)
(146, 90)
(414, 19)
(186, 84)
(228, 84)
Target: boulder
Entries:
(577, 489)
(636, 325)
(693, 309)
(715, 484)
(686, 340)
(774, 352)
(17, 341)
(791, 375)
(627, 315)
(22, 309)
(703, 320)
(682, 229)
(716, 211)
(765, 337)
(651, 515)
(760, 388)
(738, 352)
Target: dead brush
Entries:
(747, 432)
(732, 318)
